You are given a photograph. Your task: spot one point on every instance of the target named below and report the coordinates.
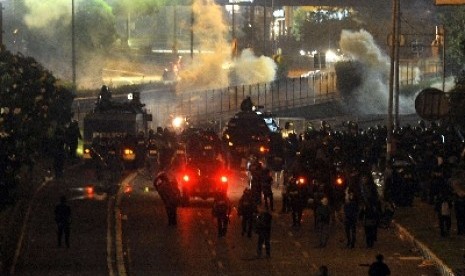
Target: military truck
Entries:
(113, 128)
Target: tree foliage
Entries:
(454, 20)
(32, 105)
(320, 29)
(95, 26)
(144, 7)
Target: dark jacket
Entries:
(351, 212)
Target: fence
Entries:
(217, 105)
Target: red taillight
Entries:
(224, 179)
(300, 181)
(339, 181)
(89, 190)
(186, 178)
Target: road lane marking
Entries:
(118, 226)
(220, 264)
(297, 244)
(290, 234)
(111, 271)
(206, 231)
(213, 253)
(305, 253)
(210, 242)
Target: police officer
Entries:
(267, 182)
(247, 209)
(170, 195)
(221, 210)
(295, 201)
(140, 149)
(351, 213)
(256, 172)
(263, 230)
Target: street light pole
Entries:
(73, 46)
(393, 43)
(1, 24)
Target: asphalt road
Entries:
(129, 235)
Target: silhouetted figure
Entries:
(247, 209)
(263, 229)
(63, 221)
(221, 211)
(379, 268)
(170, 195)
(247, 104)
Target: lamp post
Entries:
(394, 45)
(73, 46)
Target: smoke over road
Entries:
(372, 94)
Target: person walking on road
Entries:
(370, 217)
(170, 195)
(443, 208)
(379, 268)
(263, 229)
(63, 221)
(221, 210)
(267, 181)
(247, 209)
(323, 216)
(350, 220)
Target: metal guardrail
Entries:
(218, 105)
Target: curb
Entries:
(425, 251)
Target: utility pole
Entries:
(397, 61)
(73, 45)
(264, 28)
(192, 30)
(1, 24)
(393, 44)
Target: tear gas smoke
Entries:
(42, 13)
(250, 69)
(212, 70)
(211, 35)
(372, 94)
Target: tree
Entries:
(453, 19)
(32, 105)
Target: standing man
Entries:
(221, 210)
(263, 229)
(350, 220)
(267, 181)
(170, 195)
(296, 203)
(323, 214)
(247, 209)
(63, 221)
(370, 217)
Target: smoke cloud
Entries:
(213, 68)
(250, 69)
(42, 13)
(372, 95)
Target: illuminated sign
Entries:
(240, 1)
(450, 2)
(278, 13)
